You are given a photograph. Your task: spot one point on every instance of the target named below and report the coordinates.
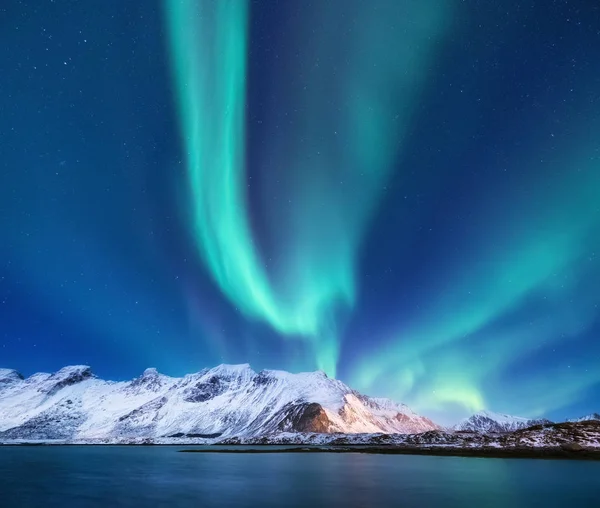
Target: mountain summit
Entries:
(489, 422)
(587, 418)
(228, 400)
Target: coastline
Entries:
(497, 453)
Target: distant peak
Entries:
(499, 416)
(489, 421)
(488, 413)
(592, 416)
(150, 372)
(285, 373)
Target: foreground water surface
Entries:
(124, 476)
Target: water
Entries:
(132, 476)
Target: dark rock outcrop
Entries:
(205, 390)
(305, 417)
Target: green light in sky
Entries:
(350, 118)
(534, 250)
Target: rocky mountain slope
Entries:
(229, 400)
(488, 422)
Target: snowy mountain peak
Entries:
(490, 422)
(66, 376)
(150, 380)
(37, 377)
(586, 418)
(74, 371)
(242, 370)
(501, 417)
(10, 376)
(235, 368)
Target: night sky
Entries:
(403, 193)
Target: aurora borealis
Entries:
(329, 192)
(405, 194)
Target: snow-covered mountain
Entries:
(228, 400)
(586, 418)
(490, 422)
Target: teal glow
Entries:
(540, 250)
(329, 170)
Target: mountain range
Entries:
(227, 402)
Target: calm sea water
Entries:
(159, 476)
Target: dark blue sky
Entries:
(461, 273)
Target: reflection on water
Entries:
(160, 476)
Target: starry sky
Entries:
(402, 193)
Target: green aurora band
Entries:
(541, 251)
(357, 83)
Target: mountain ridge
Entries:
(227, 400)
(586, 418)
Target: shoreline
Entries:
(496, 453)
